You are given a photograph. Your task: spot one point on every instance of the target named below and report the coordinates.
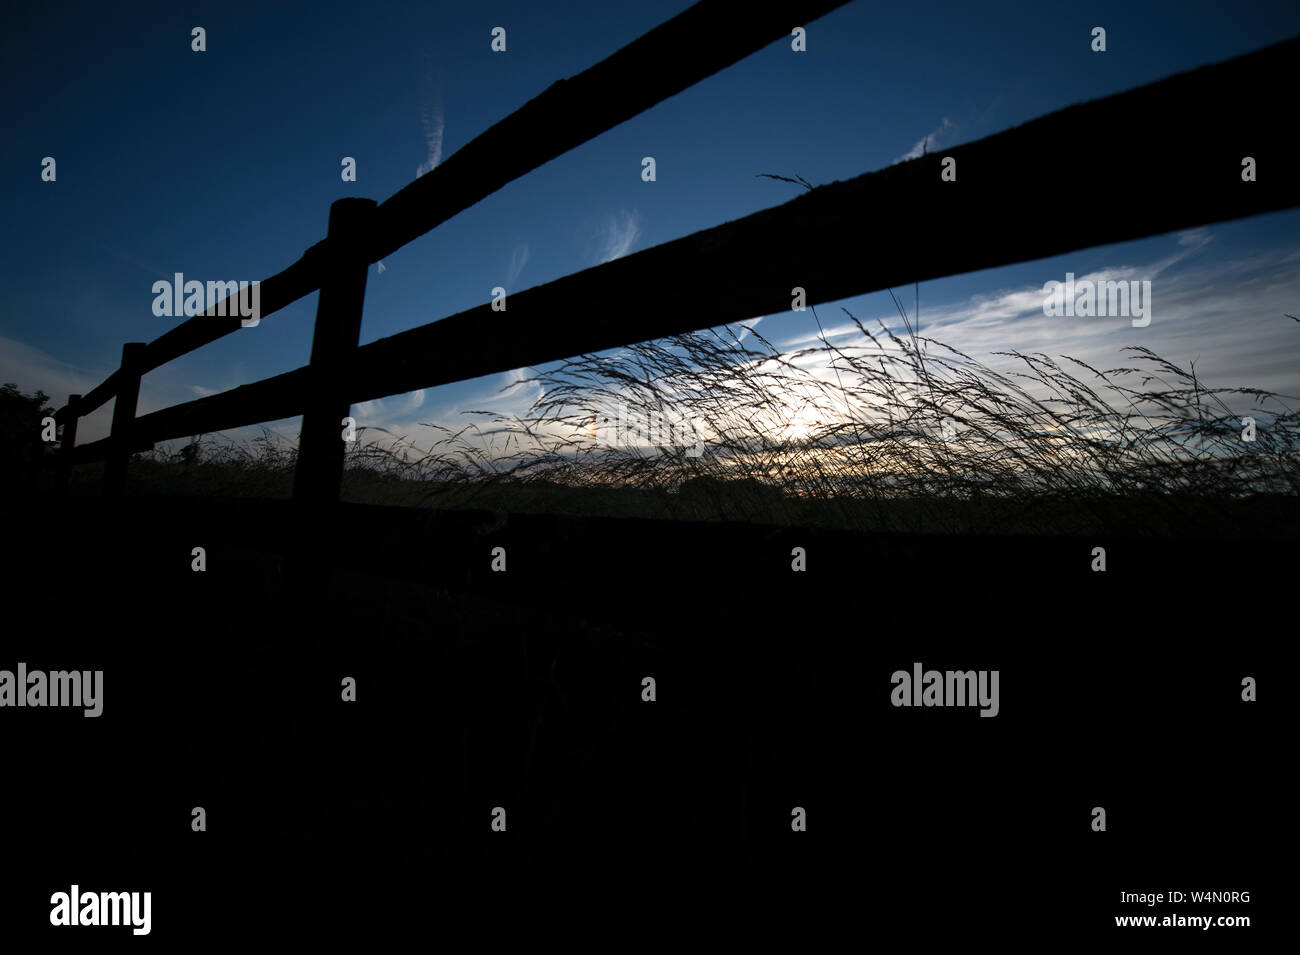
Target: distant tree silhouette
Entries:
(26, 462)
(731, 498)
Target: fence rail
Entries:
(1067, 181)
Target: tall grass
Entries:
(887, 432)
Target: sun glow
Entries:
(805, 423)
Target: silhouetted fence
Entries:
(1151, 160)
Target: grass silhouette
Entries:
(906, 434)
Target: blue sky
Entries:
(222, 165)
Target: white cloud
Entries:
(747, 327)
(1198, 238)
(618, 235)
(943, 135)
(433, 126)
(1226, 315)
(431, 118)
(518, 259)
(33, 370)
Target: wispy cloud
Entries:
(431, 118)
(1225, 314)
(433, 125)
(518, 259)
(943, 135)
(747, 327)
(992, 310)
(618, 235)
(143, 264)
(411, 421)
(32, 369)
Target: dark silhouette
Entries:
(28, 461)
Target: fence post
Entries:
(128, 394)
(319, 473)
(68, 443)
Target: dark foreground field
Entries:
(522, 689)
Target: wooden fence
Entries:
(1158, 158)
